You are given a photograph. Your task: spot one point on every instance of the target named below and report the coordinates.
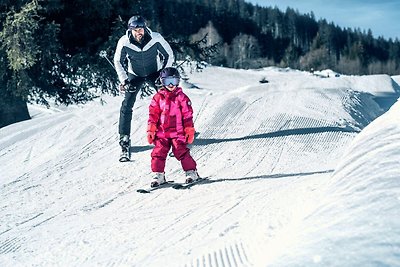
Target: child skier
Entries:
(171, 124)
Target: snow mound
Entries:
(357, 224)
(326, 73)
(396, 79)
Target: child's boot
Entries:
(191, 176)
(159, 178)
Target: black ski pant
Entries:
(136, 84)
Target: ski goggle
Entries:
(137, 24)
(170, 80)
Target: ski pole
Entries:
(103, 54)
(187, 59)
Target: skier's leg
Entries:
(125, 125)
(159, 154)
(158, 158)
(125, 116)
(182, 153)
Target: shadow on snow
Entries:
(271, 176)
(288, 132)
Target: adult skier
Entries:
(139, 57)
(170, 124)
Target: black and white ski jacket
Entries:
(142, 59)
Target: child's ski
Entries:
(163, 185)
(187, 186)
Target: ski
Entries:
(187, 186)
(173, 185)
(163, 185)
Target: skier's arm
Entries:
(154, 111)
(119, 58)
(187, 112)
(154, 115)
(166, 51)
(187, 116)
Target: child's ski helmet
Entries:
(169, 72)
(170, 75)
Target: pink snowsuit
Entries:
(171, 112)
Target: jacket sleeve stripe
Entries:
(119, 57)
(167, 52)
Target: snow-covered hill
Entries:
(295, 179)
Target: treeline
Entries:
(50, 49)
(254, 36)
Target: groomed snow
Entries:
(298, 176)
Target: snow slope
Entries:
(357, 222)
(271, 152)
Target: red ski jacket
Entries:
(171, 112)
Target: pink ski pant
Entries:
(180, 150)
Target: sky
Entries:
(382, 17)
(292, 180)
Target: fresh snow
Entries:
(303, 170)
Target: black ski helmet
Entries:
(169, 72)
(136, 22)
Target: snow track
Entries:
(230, 255)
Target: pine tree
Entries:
(19, 52)
(35, 67)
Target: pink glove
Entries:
(189, 134)
(151, 133)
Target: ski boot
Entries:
(191, 176)
(159, 179)
(125, 144)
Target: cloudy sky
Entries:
(382, 17)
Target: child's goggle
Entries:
(170, 80)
